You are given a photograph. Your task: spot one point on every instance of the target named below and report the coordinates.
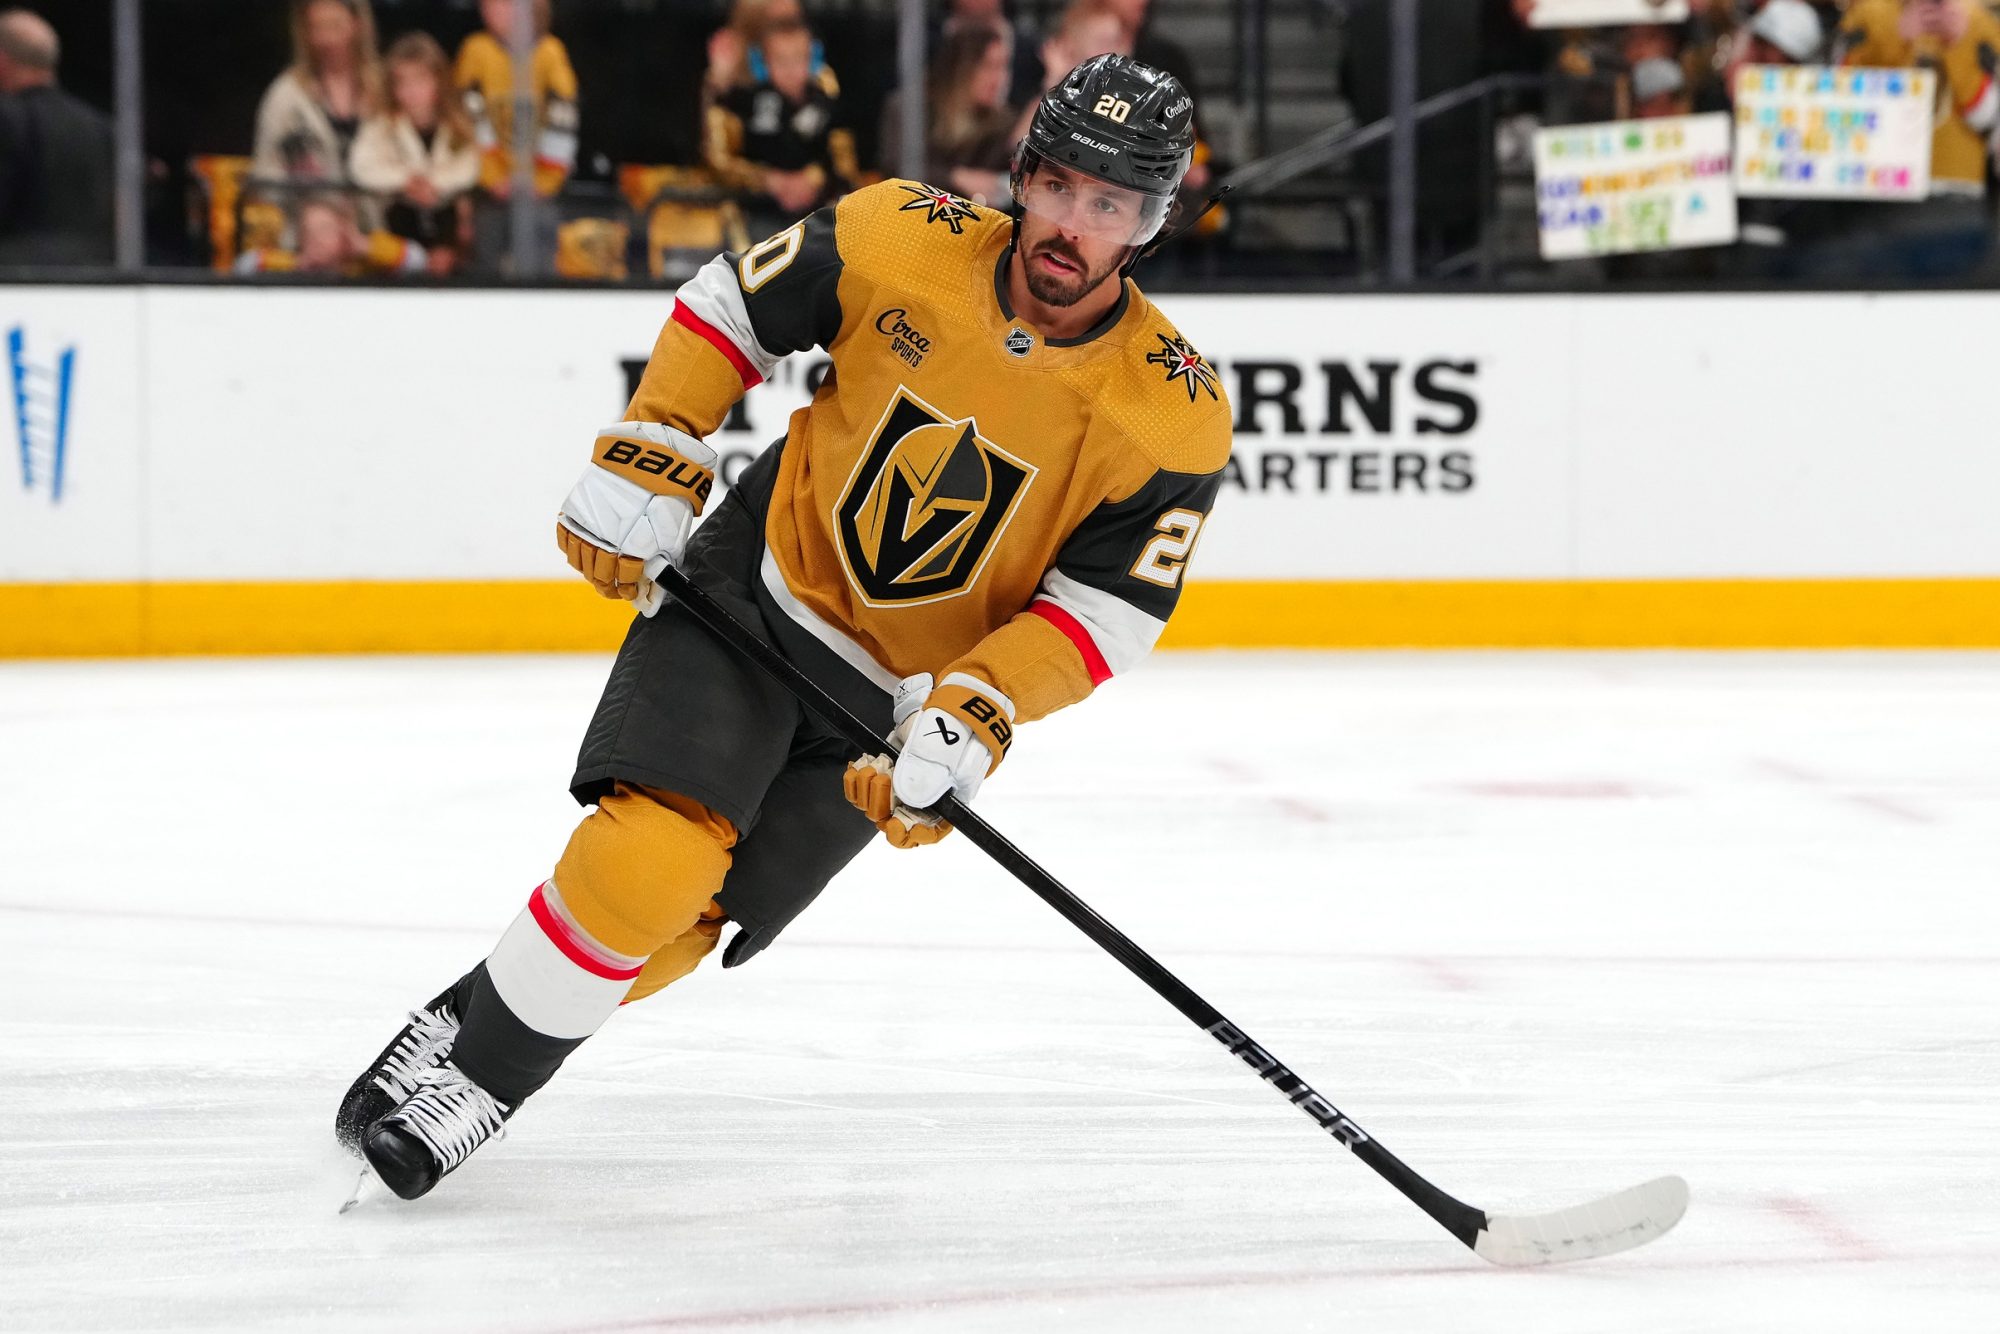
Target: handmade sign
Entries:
(1633, 185)
(1814, 132)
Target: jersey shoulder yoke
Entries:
(914, 237)
(1167, 398)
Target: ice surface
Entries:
(1546, 926)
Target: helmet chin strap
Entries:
(1186, 227)
(1140, 252)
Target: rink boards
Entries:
(284, 470)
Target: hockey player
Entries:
(986, 511)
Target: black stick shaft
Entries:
(1460, 1219)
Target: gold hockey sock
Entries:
(679, 956)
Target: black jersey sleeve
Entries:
(1118, 577)
(780, 296)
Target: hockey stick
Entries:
(1615, 1223)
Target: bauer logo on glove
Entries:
(629, 516)
(950, 737)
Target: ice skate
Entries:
(432, 1132)
(390, 1079)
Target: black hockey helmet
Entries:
(1120, 122)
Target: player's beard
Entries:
(1051, 290)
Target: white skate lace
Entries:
(427, 1043)
(451, 1115)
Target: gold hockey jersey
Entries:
(962, 494)
(484, 72)
(1968, 99)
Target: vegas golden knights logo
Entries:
(926, 505)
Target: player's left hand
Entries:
(951, 736)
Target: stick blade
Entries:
(1584, 1232)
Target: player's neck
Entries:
(1060, 322)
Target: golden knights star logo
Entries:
(942, 206)
(1183, 363)
(925, 506)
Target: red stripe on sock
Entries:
(687, 319)
(1093, 661)
(564, 939)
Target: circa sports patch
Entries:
(942, 206)
(1183, 363)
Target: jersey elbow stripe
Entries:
(695, 324)
(714, 309)
(1117, 633)
(1093, 659)
(1983, 108)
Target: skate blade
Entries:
(367, 1186)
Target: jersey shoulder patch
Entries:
(1168, 399)
(912, 236)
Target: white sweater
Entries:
(388, 151)
(289, 111)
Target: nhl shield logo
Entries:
(1019, 341)
(925, 506)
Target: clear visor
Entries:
(1083, 205)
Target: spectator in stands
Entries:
(1960, 40)
(1659, 88)
(332, 243)
(735, 50)
(1652, 47)
(1580, 71)
(737, 45)
(1649, 41)
(1782, 32)
(1087, 28)
(1783, 239)
(729, 50)
(484, 73)
(56, 155)
(310, 114)
(1948, 235)
(1151, 46)
(782, 141)
(1024, 76)
(970, 126)
(421, 154)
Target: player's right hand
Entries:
(949, 738)
(629, 516)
